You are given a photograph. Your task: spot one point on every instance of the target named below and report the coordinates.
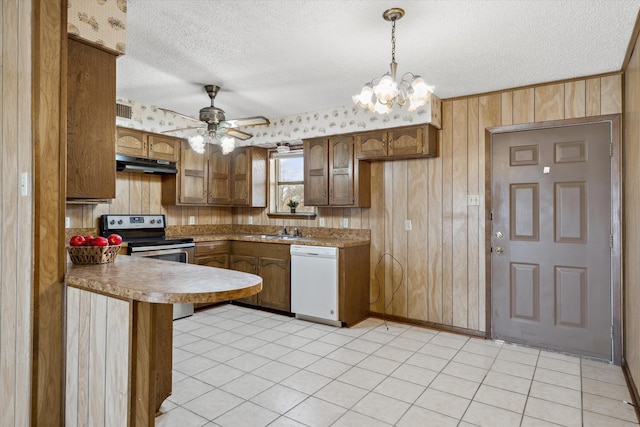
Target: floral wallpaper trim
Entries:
(102, 22)
(292, 129)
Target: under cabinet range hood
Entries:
(141, 165)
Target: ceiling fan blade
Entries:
(177, 114)
(248, 121)
(238, 134)
(179, 129)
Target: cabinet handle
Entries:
(144, 145)
(151, 146)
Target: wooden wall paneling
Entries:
(447, 212)
(473, 214)
(611, 94)
(631, 214)
(135, 194)
(376, 224)
(507, 107)
(97, 351)
(174, 215)
(75, 214)
(121, 204)
(155, 195)
(592, 97)
(389, 284)
(434, 229)
(399, 237)
(488, 116)
(116, 406)
(523, 106)
(145, 199)
(72, 345)
(355, 218)
(574, 99)
(459, 216)
(204, 215)
(417, 238)
(84, 349)
(549, 102)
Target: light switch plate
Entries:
(321, 222)
(345, 222)
(407, 225)
(473, 200)
(24, 184)
(67, 222)
(192, 220)
(250, 220)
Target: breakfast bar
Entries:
(114, 314)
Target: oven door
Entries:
(185, 255)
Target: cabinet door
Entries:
(193, 175)
(405, 141)
(247, 264)
(241, 179)
(164, 148)
(341, 170)
(91, 114)
(131, 142)
(217, 261)
(371, 145)
(316, 174)
(219, 177)
(276, 288)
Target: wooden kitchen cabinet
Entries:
(136, 143)
(332, 174)
(215, 179)
(249, 177)
(212, 254)
(398, 143)
(91, 116)
(270, 261)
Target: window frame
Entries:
(274, 185)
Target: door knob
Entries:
(499, 250)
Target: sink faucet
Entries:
(296, 232)
(284, 230)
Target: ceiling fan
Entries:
(216, 122)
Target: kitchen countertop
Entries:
(159, 281)
(313, 241)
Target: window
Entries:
(287, 182)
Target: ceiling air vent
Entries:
(123, 111)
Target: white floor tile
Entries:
(501, 398)
(279, 398)
(247, 386)
(194, 365)
(362, 378)
(394, 353)
(417, 416)
(247, 414)
(414, 374)
(454, 385)
(316, 412)
(381, 407)
(553, 412)
(490, 416)
(188, 389)
(355, 419)
(342, 394)
(399, 389)
(443, 403)
(328, 368)
(213, 404)
(180, 417)
(299, 359)
(379, 365)
(306, 382)
(557, 394)
(275, 371)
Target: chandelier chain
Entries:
(393, 41)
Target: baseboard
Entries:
(431, 325)
(635, 397)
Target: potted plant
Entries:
(293, 204)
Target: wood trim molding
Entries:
(633, 390)
(616, 213)
(49, 133)
(430, 325)
(632, 44)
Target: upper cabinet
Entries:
(216, 179)
(332, 175)
(398, 143)
(91, 117)
(249, 177)
(138, 143)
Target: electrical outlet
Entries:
(250, 220)
(345, 222)
(192, 220)
(321, 222)
(67, 222)
(473, 200)
(407, 225)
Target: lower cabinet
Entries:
(272, 262)
(212, 254)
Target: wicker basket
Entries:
(93, 254)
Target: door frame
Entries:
(616, 215)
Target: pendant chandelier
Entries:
(382, 93)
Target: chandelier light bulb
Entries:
(363, 99)
(228, 144)
(197, 143)
(386, 90)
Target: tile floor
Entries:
(235, 366)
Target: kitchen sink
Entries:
(273, 236)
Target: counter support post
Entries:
(143, 381)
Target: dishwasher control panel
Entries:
(319, 251)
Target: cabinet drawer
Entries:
(212, 247)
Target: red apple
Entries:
(98, 241)
(114, 239)
(77, 241)
(87, 239)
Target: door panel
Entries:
(551, 260)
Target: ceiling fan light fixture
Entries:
(228, 144)
(197, 143)
(382, 93)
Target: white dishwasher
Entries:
(314, 283)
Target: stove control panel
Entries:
(128, 222)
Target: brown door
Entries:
(551, 256)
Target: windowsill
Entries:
(288, 215)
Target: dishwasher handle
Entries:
(314, 251)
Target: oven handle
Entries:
(163, 252)
(160, 248)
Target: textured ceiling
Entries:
(283, 57)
